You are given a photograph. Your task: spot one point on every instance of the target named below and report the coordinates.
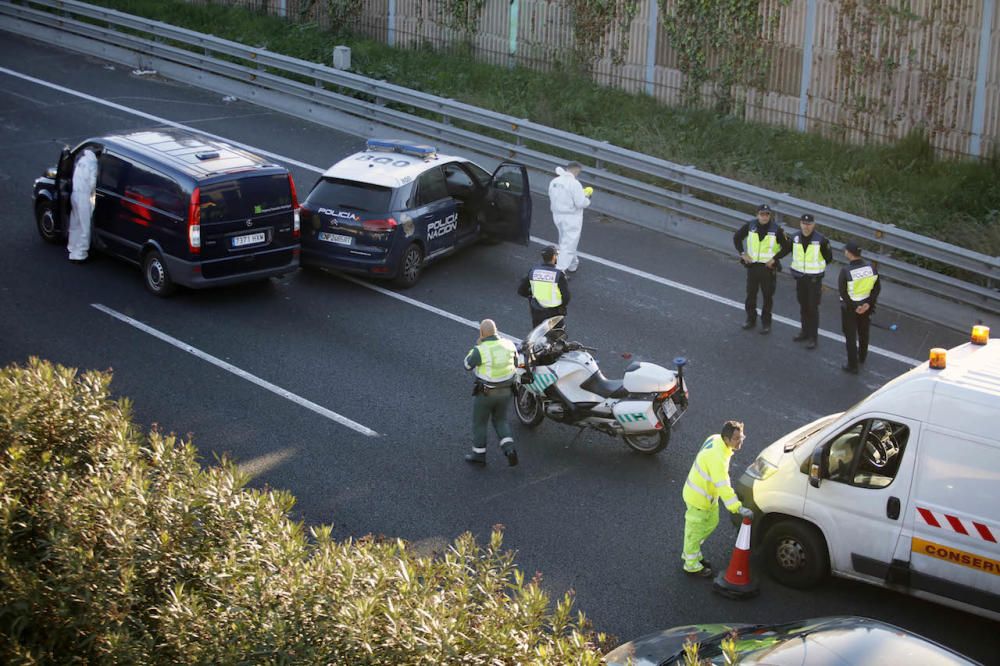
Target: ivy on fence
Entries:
(724, 43)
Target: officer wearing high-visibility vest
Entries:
(859, 289)
(493, 361)
(546, 287)
(766, 244)
(810, 255)
(707, 483)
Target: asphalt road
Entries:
(584, 510)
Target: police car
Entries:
(396, 206)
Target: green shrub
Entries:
(116, 545)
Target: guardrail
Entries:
(688, 194)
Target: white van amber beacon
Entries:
(902, 490)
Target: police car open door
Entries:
(507, 212)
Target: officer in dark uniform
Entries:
(766, 244)
(810, 255)
(547, 288)
(859, 289)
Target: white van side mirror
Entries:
(816, 467)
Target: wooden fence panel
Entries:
(879, 69)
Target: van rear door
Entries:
(954, 550)
(243, 213)
(867, 473)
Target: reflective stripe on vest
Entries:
(762, 251)
(808, 260)
(860, 282)
(545, 288)
(708, 480)
(496, 360)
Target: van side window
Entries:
(111, 173)
(154, 190)
(867, 454)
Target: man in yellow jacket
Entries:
(708, 482)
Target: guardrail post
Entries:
(979, 103)
(651, 31)
(807, 63)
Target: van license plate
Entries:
(339, 239)
(250, 239)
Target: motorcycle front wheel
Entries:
(528, 406)
(649, 442)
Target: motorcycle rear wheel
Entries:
(650, 442)
(528, 406)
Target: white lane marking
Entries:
(158, 119)
(239, 372)
(720, 299)
(419, 304)
(606, 262)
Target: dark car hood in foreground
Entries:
(829, 641)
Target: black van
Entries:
(189, 210)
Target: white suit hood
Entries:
(566, 195)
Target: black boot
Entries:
(476, 458)
(508, 450)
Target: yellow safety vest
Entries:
(496, 360)
(861, 282)
(545, 287)
(808, 260)
(762, 251)
(708, 480)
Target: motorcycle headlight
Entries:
(761, 469)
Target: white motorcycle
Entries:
(561, 380)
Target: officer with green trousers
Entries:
(493, 361)
(707, 483)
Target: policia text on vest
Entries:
(546, 287)
(493, 361)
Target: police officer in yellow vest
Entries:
(766, 243)
(493, 360)
(707, 483)
(547, 288)
(859, 289)
(810, 255)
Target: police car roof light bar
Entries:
(420, 150)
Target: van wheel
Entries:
(410, 266)
(155, 275)
(45, 219)
(796, 554)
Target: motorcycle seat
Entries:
(604, 387)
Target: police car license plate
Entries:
(249, 239)
(339, 239)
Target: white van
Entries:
(902, 490)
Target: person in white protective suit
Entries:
(82, 205)
(568, 198)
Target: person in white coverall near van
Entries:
(568, 198)
(82, 205)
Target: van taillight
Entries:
(387, 224)
(194, 222)
(296, 220)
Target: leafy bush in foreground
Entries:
(117, 546)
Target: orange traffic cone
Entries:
(735, 582)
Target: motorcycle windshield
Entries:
(537, 334)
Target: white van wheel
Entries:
(796, 554)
